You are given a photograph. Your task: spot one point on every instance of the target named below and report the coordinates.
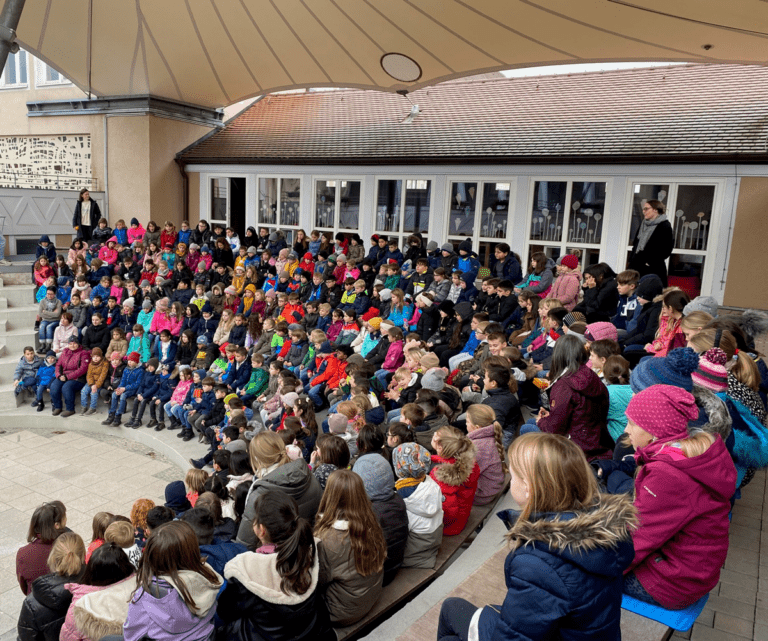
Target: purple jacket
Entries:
(491, 467)
(579, 410)
(683, 504)
(163, 615)
(395, 357)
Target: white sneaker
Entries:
(5, 262)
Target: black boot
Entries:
(117, 421)
(40, 406)
(108, 420)
(188, 436)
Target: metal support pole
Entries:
(9, 21)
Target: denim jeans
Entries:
(455, 617)
(39, 394)
(27, 382)
(45, 333)
(65, 393)
(633, 588)
(394, 415)
(118, 403)
(315, 393)
(89, 398)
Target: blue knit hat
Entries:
(674, 369)
(378, 479)
(176, 496)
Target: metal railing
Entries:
(25, 180)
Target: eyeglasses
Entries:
(647, 208)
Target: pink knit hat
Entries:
(711, 372)
(600, 331)
(663, 411)
(570, 261)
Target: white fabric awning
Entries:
(216, 52)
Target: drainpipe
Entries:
(9, 22)
(184, 189)
(106, 167)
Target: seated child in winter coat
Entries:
(424, 502)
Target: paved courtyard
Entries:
(88, 471)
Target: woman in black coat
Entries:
(84, 228)
(44, 609)
(222, 254)
(653, 242)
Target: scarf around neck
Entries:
(647, 228)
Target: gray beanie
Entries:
(273, 237)
(377, 475)
(447, 247)
(434, 379)
(702, 304)
(431, 246)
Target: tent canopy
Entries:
(216, 52)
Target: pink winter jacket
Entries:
(683, 506)
(566, 288)
(181, 391)
(109, 254)
(136, 234)
(160, 321)
(394, 358)
(69, 631)
(491, 467)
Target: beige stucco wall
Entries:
(128, 166)
(168, 137)
(745, 287)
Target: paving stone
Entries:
(745, 582)
(732, 607)
(703, 633)
(743, 593)
(733, 625)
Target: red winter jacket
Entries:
(683, 505)
(579, 410)
(334, 371)
(457, 479)
(73, 365)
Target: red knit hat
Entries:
(134, 356)
(570, 261)
(663, 411)
(372, 312)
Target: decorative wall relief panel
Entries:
(46, 162)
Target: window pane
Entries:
(51, 75)
(462, 217)
(418, 196)
(587, 256)
(686, 272)
(388, 205)
(22, 56)
(548, 210)
(642, 194)
(693, 216)
(587, 209)
(268, 201)
(10, 68)
(494, 216)
(219, 199)
(325, 203)
(290, 193)
(349, 216)
(550, 251)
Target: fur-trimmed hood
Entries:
(454, 471)
(753, 323)
(714, 417)
(588, 539)
(103, 612)
(258, 574)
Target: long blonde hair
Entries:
(67, 557)
(743, 368)
(265, 450)
(557, 473)
(695, 444)
(483, 416)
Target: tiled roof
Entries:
(676, 113)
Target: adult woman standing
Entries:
(87, 215)
(653, 242)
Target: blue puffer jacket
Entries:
(46, 374)
(564, 575)
(131, 379)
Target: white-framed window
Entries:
(403, 206)
(567, 216)
(279, 205)
(46, 76)
(337, 204)
(479, 211)
(690, 209)
(15, 74)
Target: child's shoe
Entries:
(188, 436)
(91, 410)
(40, 406)
(108, 420)
(152, 423)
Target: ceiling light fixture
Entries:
(401, 67)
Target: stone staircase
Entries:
(17, 324)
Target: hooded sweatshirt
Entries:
(162, 614)
(579, 410)
(683, 504)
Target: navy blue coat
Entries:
(149, 385)
(568, 586)
(238, 377)
(158, 353)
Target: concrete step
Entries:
(19, 273)
(13, 341)
(9, 400)
(19, 317)
(165, 442)
(18, 295)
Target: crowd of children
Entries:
(242, 342)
